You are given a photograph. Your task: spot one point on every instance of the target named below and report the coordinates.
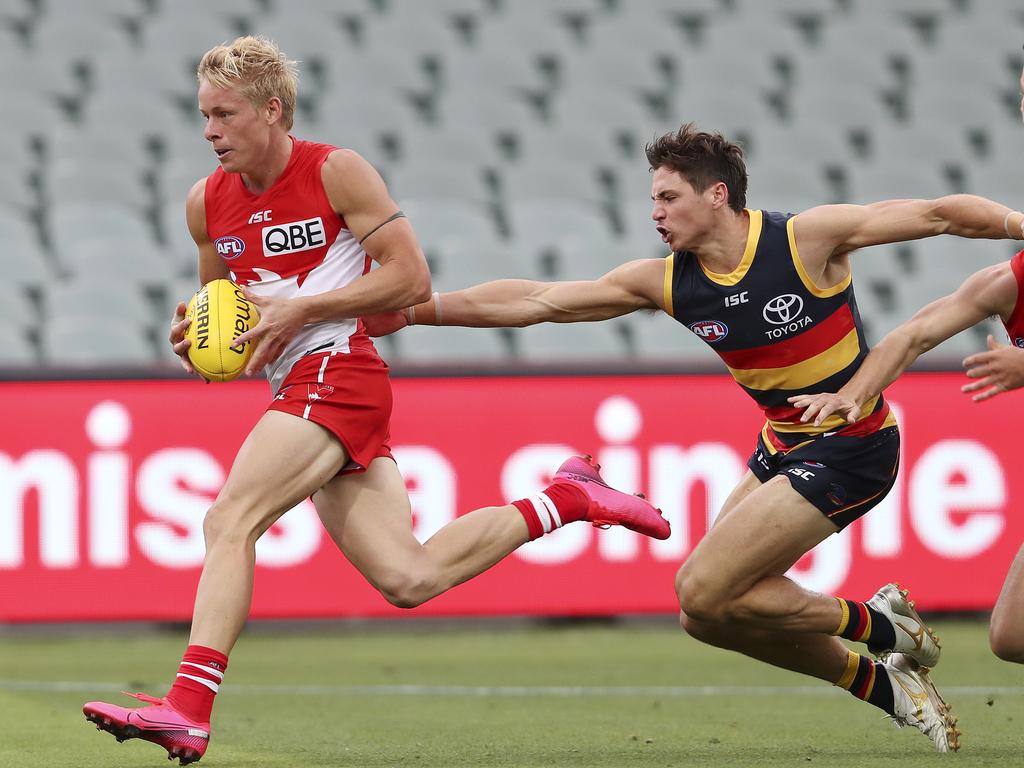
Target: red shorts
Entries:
(349, 395)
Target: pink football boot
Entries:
(609, 506)
(157, 722)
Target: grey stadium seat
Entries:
(69, 223)
(459, 263)
(88, 151)
(93, 296)
(438, 220)
(887, 180)
(22, 259)
(16, 311)
(539, 180)
(439, 346)
(493, 109)
(78, 180)
(85, 340)
(432, 178)
(571, 342)
(456, 143)
(566, 229)
(15, 348)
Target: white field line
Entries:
(505, 691)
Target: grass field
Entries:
(579, 695)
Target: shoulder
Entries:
(991, 291)
(644, 278)
(195, 210)
(346, 167)
(350, 181)
(196, 197)
(195, 201)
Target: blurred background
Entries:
(512, 134)
(510, 131)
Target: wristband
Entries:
(1006, 225)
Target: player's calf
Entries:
(904, 691)
(889, 622)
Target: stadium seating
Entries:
(511, 131)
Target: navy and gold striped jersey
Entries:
(778, 333)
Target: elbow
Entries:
(419, 288)
(911, 340)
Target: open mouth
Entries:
(664, 234)
(221, 152)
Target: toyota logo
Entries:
(783, 309)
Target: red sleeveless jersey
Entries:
(286, 242)
(1015, 325)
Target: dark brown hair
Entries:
(702, 159)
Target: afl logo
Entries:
(1018, 342)
(710, 330)
(229, 247)
(783, 309)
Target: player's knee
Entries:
(698, 600)
(694, 628)
(225, 523)
(1005, 643)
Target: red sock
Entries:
(199, 678)
(559, 504)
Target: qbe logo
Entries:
(296, 236)
(229, 248)
(710, 330)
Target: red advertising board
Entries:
(103, 487)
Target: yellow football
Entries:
(220, 313)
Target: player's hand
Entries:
(820, 407)
(179, 343)
(280, 322)
(386, 323)
(998, 370)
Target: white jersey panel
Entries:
(343, 263)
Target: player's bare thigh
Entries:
(766, 530)
(369, 517)
(283, 460)
(747, 483)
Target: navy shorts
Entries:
(842, 476)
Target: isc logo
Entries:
(293, 237)
(804, 474)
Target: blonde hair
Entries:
(257, 68)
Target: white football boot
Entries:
(918, 703)
(913, 636)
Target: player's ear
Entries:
(273, 110)
(719, 195)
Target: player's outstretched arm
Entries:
(833, 230)
(998, 370)
(518, 303)
(990, 291)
